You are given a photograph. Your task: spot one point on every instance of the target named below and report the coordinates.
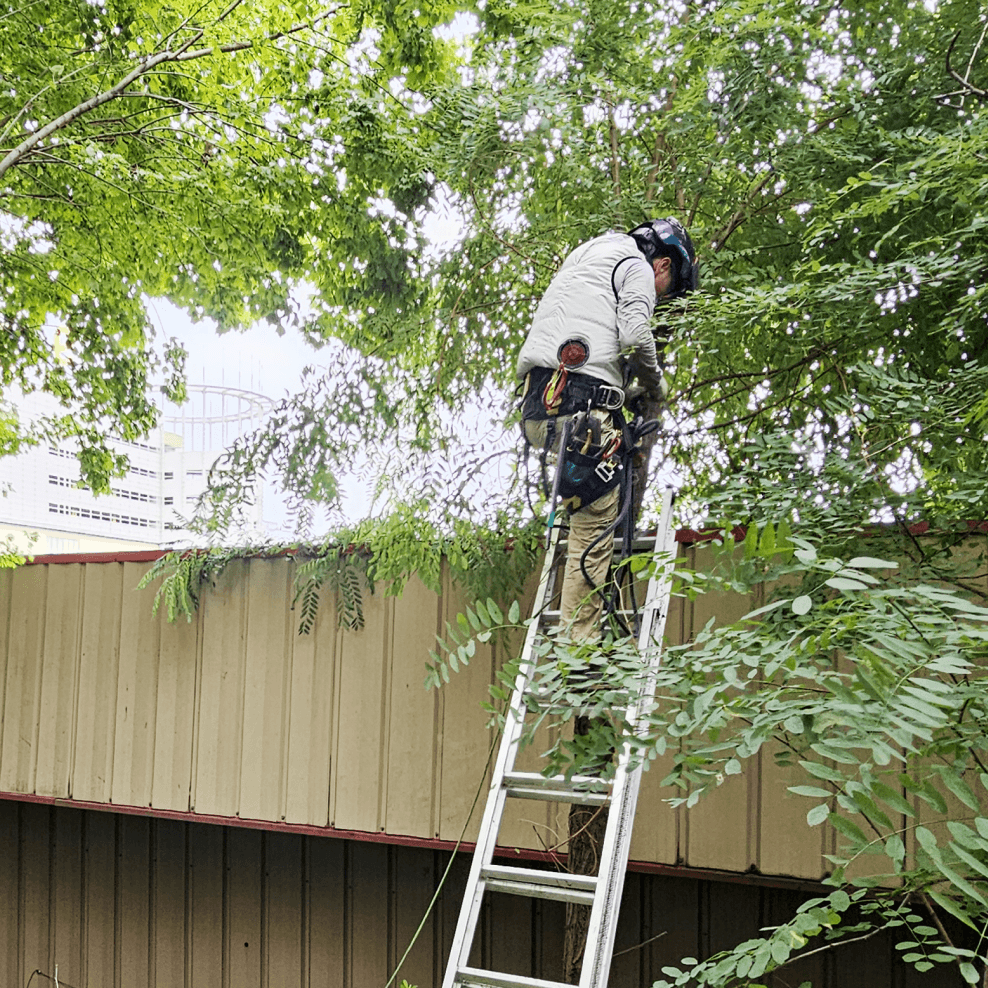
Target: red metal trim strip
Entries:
(129, 556)
(404, 840)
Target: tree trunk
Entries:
(586, 837)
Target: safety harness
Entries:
(587, 468)
(563, 399)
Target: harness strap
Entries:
(551, 392)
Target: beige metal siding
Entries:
(236, 715)
(310, 737)
(413, 716)
(464, 741)
(27, 588)
(99, 654)
(359, 783)
(134, 902)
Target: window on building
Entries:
(75, 511)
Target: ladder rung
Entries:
(472, 977)
(584, 790)
(559, 885)
(549, 618)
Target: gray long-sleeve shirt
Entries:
(603, 296)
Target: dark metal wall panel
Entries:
(128, 902)
(35, 894)
(169, 928)
(133, 902)
(10, 912)
(326, 918)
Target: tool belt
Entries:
(553, 392)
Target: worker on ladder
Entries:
(590, 338)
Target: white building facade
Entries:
(150, 505)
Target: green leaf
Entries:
(766, 542)
(870, 562)
(895, 848)
(821, 771)
(930, 795)
(966, 836)
(969, 973)
(951, 906)
(818, 814)
(802, 605)
(764, 610)
(958, 787)
(751, 542)
(514, 612)
(780, 952)
(969, 859)
(849, 829)
(894, 799)
(926, 840)
(842, 583)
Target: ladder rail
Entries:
(494, 809)
(602, 893)
(602, 928)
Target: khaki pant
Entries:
(580, 607)
(581, 613)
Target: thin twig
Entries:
(638, 946)
(936, 919)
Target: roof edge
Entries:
(684, 536)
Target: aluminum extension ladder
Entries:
(620, 794)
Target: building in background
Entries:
(148, 507)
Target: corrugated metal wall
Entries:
(120, 901)
(236, 715)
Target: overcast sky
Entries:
(256, 360)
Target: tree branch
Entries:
(815, 352)
(615, 163)
(28, 145)
(742, 213)
(180, 54)
(243, 45)
(964, 80)
(762, 408)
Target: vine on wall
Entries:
(355, 561)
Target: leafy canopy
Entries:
(239, 157)
(829, 161)
(218, 154)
